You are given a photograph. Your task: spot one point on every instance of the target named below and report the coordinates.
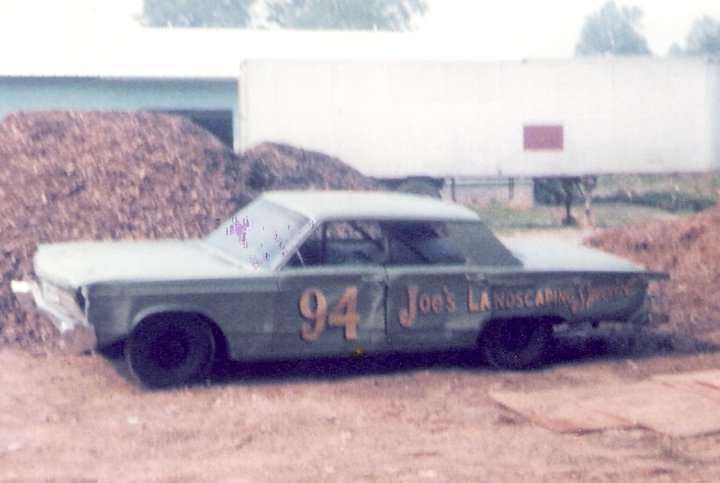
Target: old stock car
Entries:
(309, 274)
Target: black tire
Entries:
(516, 343)
(170, 350)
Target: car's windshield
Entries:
(259, 234)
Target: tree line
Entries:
(295, 14)
(618, 31)
(613, 29)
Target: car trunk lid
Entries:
(547, 253)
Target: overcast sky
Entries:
(508, 29)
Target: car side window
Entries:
(422, 243)
(342, 243)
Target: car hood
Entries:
(547, 253)
(80, 263)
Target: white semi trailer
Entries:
(451, 120)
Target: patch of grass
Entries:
(701, 185)
(671, 192)
(615, 214)
(605, 215)
(666, 200)
(502, 217)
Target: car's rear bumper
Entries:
(77, 334)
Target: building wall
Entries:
(395, 119)
(55, 93)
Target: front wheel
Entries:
(516, 343)
(170, 350)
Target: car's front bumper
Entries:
(77, 334)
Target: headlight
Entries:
(64, 298)
(51, 293)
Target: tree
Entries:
(613, 30)
(704, 37)
(299, 14)
(197, 13)
(675, 50)
(346, 14)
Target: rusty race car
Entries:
(308, 274)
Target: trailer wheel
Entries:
(170, 350)
(516, 343)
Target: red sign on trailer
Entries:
(543, 138)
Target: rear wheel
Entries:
(517, 343)
(170, 350)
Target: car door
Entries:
(436, 298)
(331, 299)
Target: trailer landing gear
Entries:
(585, 186)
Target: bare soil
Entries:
(401, 418)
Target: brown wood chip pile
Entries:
(68, 176)
(689, 250)
(279, 166)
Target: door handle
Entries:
(475, 277)
(373, 277)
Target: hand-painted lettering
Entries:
(345, 313)
(314, 307)
(479, 302)
(409, 313)
(422, 303)
(449, 300)
(437, 303)
(576, 299)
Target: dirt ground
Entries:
(400, 418)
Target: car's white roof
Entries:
(375, 205)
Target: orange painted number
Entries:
(314, 307)
(345, 313)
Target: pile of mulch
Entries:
(102, 176)
(689, 250)
(279, 166)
